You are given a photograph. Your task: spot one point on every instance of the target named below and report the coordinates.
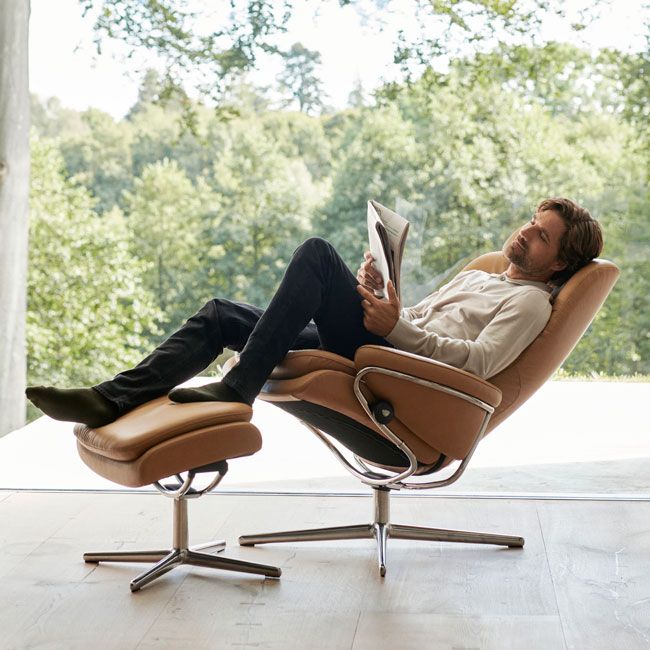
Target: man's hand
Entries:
(379, 315)
(368, 275)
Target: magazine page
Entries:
(396, 226)
(379, 248)
(387, 233)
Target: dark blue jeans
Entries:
(315, 306)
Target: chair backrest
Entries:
(574, 307)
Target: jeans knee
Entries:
(315, 245)
(210, 307)
(209, 313)
(214, 303)
(220, 310)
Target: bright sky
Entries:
(62, 54)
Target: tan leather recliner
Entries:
(404, 416)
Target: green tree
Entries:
(379, 160)
(100, 157)
(158, 134)
(182, 39)
(490, 151)
(299, 81)
(243, 98)
(634, 75)
(617, 342)
(356, 98)
(493, 147)
(51, 120)
(150, 92)
(165, 213)
(264, 203)
(209, 50)
(88, 310)
(465, 155)
(301, 137)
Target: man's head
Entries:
(560, 238)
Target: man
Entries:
(479, 322)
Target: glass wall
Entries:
(137, 219)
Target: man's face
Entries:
(534, 250)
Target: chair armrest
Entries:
(445, 407)
(429, 370)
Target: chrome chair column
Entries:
(181, 553)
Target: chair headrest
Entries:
(575, 304)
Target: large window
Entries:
(141, 213)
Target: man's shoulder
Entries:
(532, 300)
(470, 276)
(472, 273)
(533, 292)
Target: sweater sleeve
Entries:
(415, 311)
(505, 337)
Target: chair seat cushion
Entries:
(155, 422)
(298, 363)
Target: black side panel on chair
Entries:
(360, 440)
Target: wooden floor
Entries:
(582, 580)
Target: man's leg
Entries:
(192, 348)
(220, 323)
(317, 285)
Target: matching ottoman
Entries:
(162, 439)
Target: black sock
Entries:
(215, 392)
(84, 405)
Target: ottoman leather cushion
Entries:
(155, 422)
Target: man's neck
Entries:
(515, 273)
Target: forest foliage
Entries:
(135, 223)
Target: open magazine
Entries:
(387, 236)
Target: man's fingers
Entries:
(369, 269)
(392, 293)
(366, 279)
(368, 295)
(362, 290)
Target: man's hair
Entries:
(582, 240)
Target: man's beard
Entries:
(516, 254)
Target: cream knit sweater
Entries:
(479, 322)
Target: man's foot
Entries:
(215, 392)
(84, 405)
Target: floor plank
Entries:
(493, 580)
(599, 557)
(581, 581)
(29, 520)
(481, 632)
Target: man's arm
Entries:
(514, 327)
